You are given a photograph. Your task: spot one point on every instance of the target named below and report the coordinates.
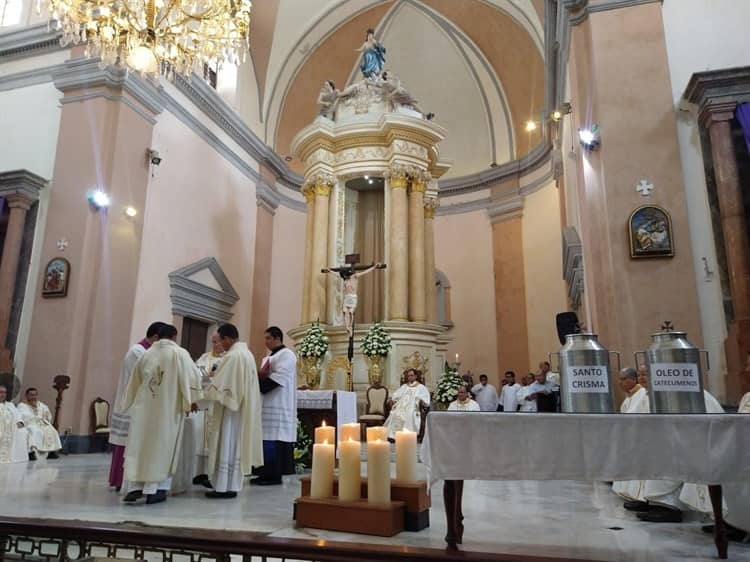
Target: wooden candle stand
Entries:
(381, 519)
(414, 496)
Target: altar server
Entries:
(164, 384)
(509, 394)
(486, 395)
(237, 440)
(14, 440)
(43, 438)
(406, 400)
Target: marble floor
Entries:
(573, 519)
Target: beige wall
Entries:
(463, 251)
(198, 206)
(545, 287)
(287, 264)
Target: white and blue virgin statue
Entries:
(373, 56)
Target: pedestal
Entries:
(383, 520)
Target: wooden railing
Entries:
(104, 540)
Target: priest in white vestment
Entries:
(636, 402)
(509, 393)
(236, 442)
(405, 412)
(463, 402)
(523, 404)
(485, 394)
(14, 439)
(278, 385)
(43, 438)
(119, 423)
(164, 384)
(199, 424)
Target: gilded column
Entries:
(417, 309)
(309, 192)
(398, 268)
(431, 205)
(19, 204)
(322, 187)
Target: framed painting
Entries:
(56, 277)
(650, 233)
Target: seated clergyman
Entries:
(13, 435)
(463, 402)
(43, 437)
(406, 401)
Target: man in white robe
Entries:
(120, 421)
(14, 440)
(463, 402)
(542, 392)
(636, 402)
(523, 404)
(199, 424)
(236, 442)
(485, 394)
(509, 393)
(164, 384)
(277, 379)
(405, 413)
(43, 438)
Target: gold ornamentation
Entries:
(334, 365)
(319, 184)
(417, 361)
(156, 36)
(375, 369)
(431, 205)
(310, 367)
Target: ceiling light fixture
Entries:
(131, 211)
(530, 126)
(98, 199)
(589, 137)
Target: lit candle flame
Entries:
(324, 423)
(325, 441)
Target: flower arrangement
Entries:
(376, 341)
(314, 343)
(447, 388)
(302, 449)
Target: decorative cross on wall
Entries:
(644, 187)
(62, 244)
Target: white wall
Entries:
(704, 35)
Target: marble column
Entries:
(431, 205)
(19, 204)
(736, 244)
(417, 312)
(309, 193)
(398, 268)
(319, 251)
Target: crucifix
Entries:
(350, 274)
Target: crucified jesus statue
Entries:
(350, 274)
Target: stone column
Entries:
(322, 187)
(19, 204)
(417, 312)
(309, 192)
(736, 244)
(431, 205)
(398, 268)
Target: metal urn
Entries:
(675, 377)
(585, 375)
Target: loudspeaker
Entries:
(567, 323)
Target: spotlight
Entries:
(131, 211)
(556, 116)
(530, 126)
(98, 199)
(589, 138)
(287, 158)
(153, 156)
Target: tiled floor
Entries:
(572, 519)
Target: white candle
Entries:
(456, 357)
(350, 477)
(406, 455)
(323, 461)
(350, 431)
(378, 471)
(325, 433)
(377, 432)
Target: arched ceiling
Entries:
(478, 64)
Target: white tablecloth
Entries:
(346, 404)
(699, 448)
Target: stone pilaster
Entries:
(398, 269)
(417, 303)
(309, 192)
(321, 184)
(431, 205)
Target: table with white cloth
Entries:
(335, 407)
(710, 449)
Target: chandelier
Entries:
(156, 36)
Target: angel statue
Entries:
(373, 57)
(328, 99)
(397, 95)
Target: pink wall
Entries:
(287, 269)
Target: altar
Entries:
(334, 407)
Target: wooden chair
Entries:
(100, 424)
(376, 410)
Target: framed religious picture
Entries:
(56, 277)
(650, 233)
